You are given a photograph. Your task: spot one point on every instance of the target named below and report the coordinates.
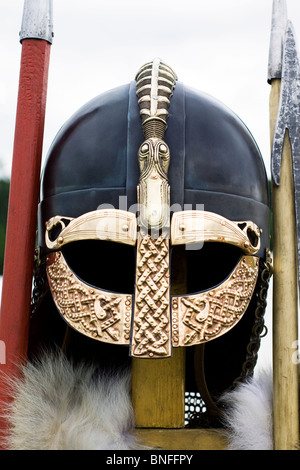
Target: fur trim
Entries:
(249, 415)
(59, 406)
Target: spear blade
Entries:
(289, 111)
(288, 119)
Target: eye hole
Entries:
(107, 265)
(199, 270)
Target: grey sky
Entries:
(220, 47)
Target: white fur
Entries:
(249, 419)
(58, 406)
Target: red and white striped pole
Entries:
(36, 39)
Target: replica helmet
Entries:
(154, 234)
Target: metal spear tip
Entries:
(37, 20)
(278, 28)
(288, 111)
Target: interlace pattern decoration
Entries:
(202, 317)
(101, 315)
(151, 322)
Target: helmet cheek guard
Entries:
(144, 175)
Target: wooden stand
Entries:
(158, 395)
(182, 439)
(158, 390)
(158, 400)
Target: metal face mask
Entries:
(151, 321)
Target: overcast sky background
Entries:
(217, 46)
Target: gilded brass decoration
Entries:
(205, 316)
(155, 82)
(156, 325)
(151, 335)
(199, 226)
(155, 85)
(101, 315)
(104, 224)
(154, 189)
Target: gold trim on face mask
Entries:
(202, 317)
(107, 317)
(98, 314)
(105, 224)
(151, 327)
(201, 226)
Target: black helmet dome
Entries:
(215, 160)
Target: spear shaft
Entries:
(285, 278)
(36, 38)
(285, 374)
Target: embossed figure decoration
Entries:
(151, 321)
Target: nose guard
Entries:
(151, 316)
